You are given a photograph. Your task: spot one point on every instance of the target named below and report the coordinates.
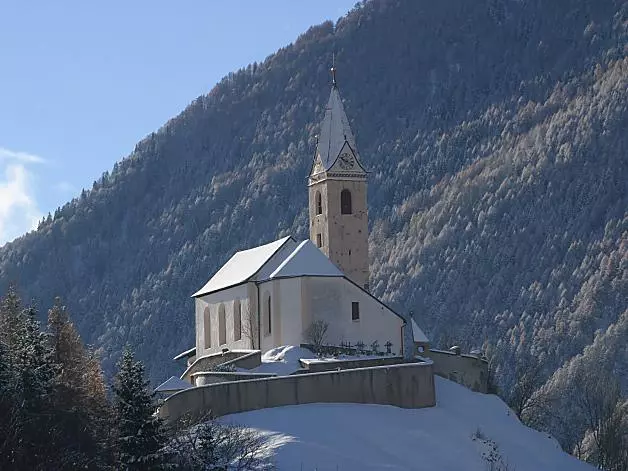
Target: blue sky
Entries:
(82, 82)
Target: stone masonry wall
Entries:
(408, 385)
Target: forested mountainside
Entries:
(496, 132)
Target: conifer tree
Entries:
(140, 435)
(80, 402)
(32, 371)
(8, 408)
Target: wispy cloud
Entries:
(19, 211)
(24, 157)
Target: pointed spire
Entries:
(335, 130)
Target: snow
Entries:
(173, 384)
(283, 360)
(334, 131)
(418, 334)
(344, 358)
(305, 260)
(242, 266)
(463, 431)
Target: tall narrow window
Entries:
(222, 325)
(319, 240)
(237, 320)
(269, 315)
(319, 203)
(207, 328)
(345, 202)
(355, 311)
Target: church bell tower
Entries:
(337, 194)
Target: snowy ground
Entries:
(461, 433)
(282, 360)
(285, 360)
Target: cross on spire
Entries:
(333, 69)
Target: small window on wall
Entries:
(237, 320)
(207, 328)
(268, 315)
(345, 202)
(319, 240)
(319, 203)
(222, 325)
(355, 311)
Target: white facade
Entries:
(284, 298)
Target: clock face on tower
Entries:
(347, 161)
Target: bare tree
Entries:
(523, 398)
(250, 327)
(605, 413)
(214, 445)
(316, 333)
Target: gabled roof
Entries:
(173, 384)
(241, 267)
(335, 131)
(418, 334)
(306, 260)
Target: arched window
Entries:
(237, 320)
(222, 325)
(345, 202)
(319, 203)
(268, 315)
(207, 328)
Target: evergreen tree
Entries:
(8, 408)
(29, 369)
(140, 435)
(80, 402)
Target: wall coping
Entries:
(465, 355)
(233, 373)
(419, 363)
(245, 354)
(323, 361)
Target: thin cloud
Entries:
(25, 157)
(19, 211)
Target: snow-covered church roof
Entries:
(242, 267)
(282, 258)
(306, 260)
(335, 131)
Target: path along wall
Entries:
(408, 385)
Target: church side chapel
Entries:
(268, 296)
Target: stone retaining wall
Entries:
(469, 370)
(203, 378)
(316, 366)
(408, 385)
(241, 358)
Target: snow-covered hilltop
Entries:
(465, 431)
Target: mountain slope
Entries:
(465, 430)
(495, 133)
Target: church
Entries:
(268, 296)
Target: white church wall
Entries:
(286, 306)
(208, 330)
(330, 300)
